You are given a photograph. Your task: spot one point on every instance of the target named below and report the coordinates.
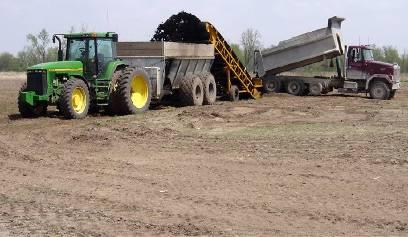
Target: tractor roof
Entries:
(90, 34)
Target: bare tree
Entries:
(39, 44)
(250, 41)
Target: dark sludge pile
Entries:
(187, 28)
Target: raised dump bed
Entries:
(305, 49)
(167, 63)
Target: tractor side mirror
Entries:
(115, 37)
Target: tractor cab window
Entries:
(105, 53)
(83, 49)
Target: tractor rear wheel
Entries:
(380, 91)
(74, 101)
(28, 111)
(133, 91)
(191, 90)
(210, 89)
(233, 93)
(113, 104)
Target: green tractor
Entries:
(90, 78)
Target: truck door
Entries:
(355, 64)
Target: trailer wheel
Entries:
(133, 91)
(233, 93)
(392, 94)
(191, 90)
(271, 85)
(28, 111)
(379, 91)
(295, 87)
(74, 101)
(315, 89)
(210, 89)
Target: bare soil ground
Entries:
(281, 165)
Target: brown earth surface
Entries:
(281, 165)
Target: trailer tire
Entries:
(233, 93)
(392, 94)
(191, 90)
(28, 111)
(380, 91)
(315, 89)
(133, 92)
(272, 85)
(210, 88)
(74, 101)
(295, 87)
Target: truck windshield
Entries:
(368, 55)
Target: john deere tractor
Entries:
(88, 78)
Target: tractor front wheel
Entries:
(74, 101)
(27, 110)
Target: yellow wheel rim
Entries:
(139, 91)
(78, 100)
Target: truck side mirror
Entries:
(331, 63)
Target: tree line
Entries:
(40, 49)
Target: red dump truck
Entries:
(360, 73)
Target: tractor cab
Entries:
(94, 50)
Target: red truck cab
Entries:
(379, 79)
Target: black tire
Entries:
(233, 93)
(210, 89)
(392, 94)
(315, 89)
(74, 101)
(380, 91)
(28, 111)
(133, 92)
(113, 104)
(295, 87)
(271, 84)
(191, 90)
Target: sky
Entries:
(377, 22)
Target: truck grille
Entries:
(37, 81)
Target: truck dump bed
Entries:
(305, 49)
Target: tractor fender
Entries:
(378, 77)
(114, 66)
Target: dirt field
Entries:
(282, 165)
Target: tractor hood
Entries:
(60, 66)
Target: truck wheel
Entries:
(295, 87)
(191, 90)
(379, 91)
(28, 111)
(315, 89)
(210, 89)
(392, 94)
(233, 93)
(272, 85)
(74, 101)
(133, 91)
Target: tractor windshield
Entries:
(80, 49)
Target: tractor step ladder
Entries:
(233, 63)
(102, 92)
